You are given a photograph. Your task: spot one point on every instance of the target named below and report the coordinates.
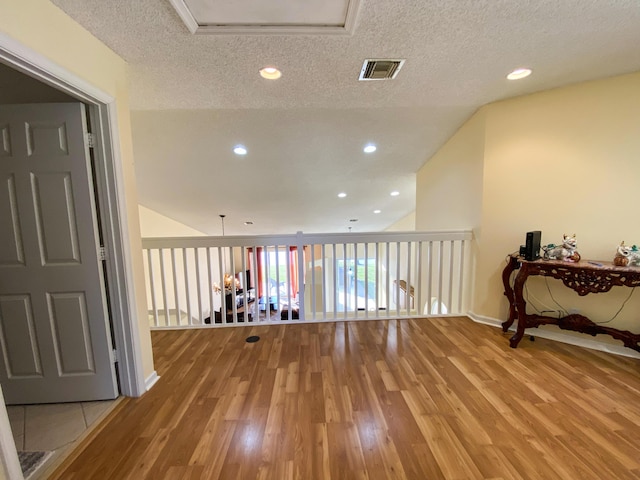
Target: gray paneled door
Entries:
(54, 331)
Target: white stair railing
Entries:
(191, 281)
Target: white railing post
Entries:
(176, 294)
(336, 280)
(312, 251)
(388, 272)
(354, 278)
(265, 282)
(153, 288)
(418, 300)
(223, 297)
(196, 254)
(430, 275)
(210, 286)
(407, 293)
(366, 280)
(301, 279)
(164, 289)
(243, 275)
(287, 259)
(378, 289)
(397, 289)
(344, 280)
(324, 284)
(257, 286)
(461, 276)
(277, 257)
(185, 267)
(440, 263)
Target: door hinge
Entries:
(115, 357)
(102, 253)
(91, 140)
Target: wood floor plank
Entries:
(439, 398)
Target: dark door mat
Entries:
(30, 461)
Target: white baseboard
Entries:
(494, 322)
(151, 380)
(586, 342)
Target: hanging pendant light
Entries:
(222, 221)
(228, 280)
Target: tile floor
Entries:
(54, 426)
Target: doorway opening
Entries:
(111, 197)
(59, 255)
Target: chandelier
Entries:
(229, 283)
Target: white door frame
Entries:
(111, 198)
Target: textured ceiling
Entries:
(195, 96)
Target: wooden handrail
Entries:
(403, 286)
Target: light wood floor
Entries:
(419, 399)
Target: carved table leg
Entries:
(521, 306)
(508, 291)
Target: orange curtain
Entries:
(257, 276)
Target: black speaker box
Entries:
(532, 246)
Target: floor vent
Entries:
(380, 69)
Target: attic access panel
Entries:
(257, 17)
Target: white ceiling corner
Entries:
(254, 17)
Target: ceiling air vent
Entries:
(380, 69)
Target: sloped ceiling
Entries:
(196, 96)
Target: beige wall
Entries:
(154, 224)
(44, 28)
(561, 161)
(405, 224)
(449, 190)
(449, 185)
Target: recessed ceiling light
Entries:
(395, 193)
(377, 211)
(342, 195)
(370, 148)
(248, 223)
(270, 73)
(353, 220)
(239, 150)
(519, 73)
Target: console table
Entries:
(583, 277)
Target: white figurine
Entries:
(567, 251)
(627, 256)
